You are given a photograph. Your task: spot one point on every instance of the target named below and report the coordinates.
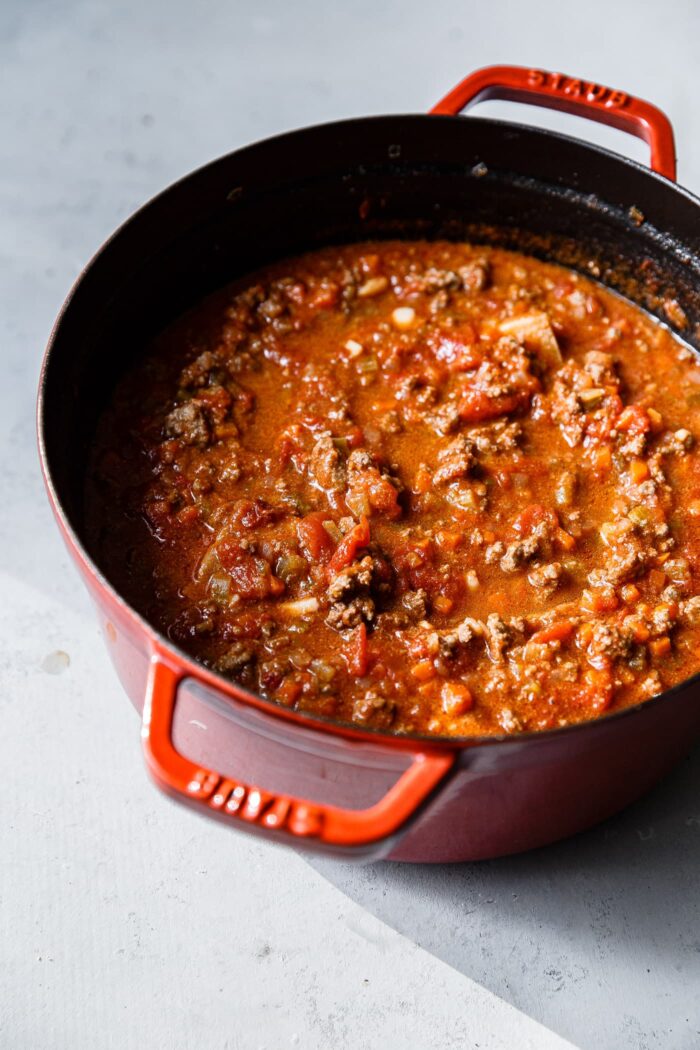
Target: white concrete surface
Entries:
(128, 923)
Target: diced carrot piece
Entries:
(443, 604)
(422, 481)
(277, 586)
(659, 647)
(554, 632)
(585, 634)
(657, 420)
(424, 670)
(630, 593)
(639, 471)
(289, 691)
(456, 698)
(640, 631)
(694, 508)
(597, 676)
(602, 460)
(448, 540)
(346, 551)
(657, 579)
(565, 540)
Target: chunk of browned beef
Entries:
(188, 423)
(350, 597)
(325, 465)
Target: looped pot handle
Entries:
(366, 832)
(584, 98)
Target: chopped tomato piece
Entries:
(534, 515)
(659, 647)
(554, 632)
(633, 420)
(346, 551)
(457, 350)
(313, 537)
(251, 577)
(602, 460)
(358, 656)
(477, 405)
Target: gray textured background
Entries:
(126, 922)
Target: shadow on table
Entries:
(597, 937)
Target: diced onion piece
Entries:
(332, 530)
(565, 490)
(300, 607)
(290, 565)
(535, 332)
(640, 515)
(220, 586)
(353, 347)
(609, 532)
(472, 580)
(591, 398)
(324, 671)
(403, 318)
(358, 502)
(209, 563)
(463, 496)
(374, 286)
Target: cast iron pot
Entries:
(257, 765)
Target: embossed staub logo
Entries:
(586, 90)
(255, 806)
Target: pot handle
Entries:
(584, 98)
(368, 833)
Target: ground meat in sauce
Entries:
(421, 487)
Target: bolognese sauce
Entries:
(415, 486)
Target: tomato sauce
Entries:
(417, 486)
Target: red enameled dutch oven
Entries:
(257, 765)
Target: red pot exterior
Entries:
(320, 785)
(504, 797)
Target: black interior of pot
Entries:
(412, 176)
